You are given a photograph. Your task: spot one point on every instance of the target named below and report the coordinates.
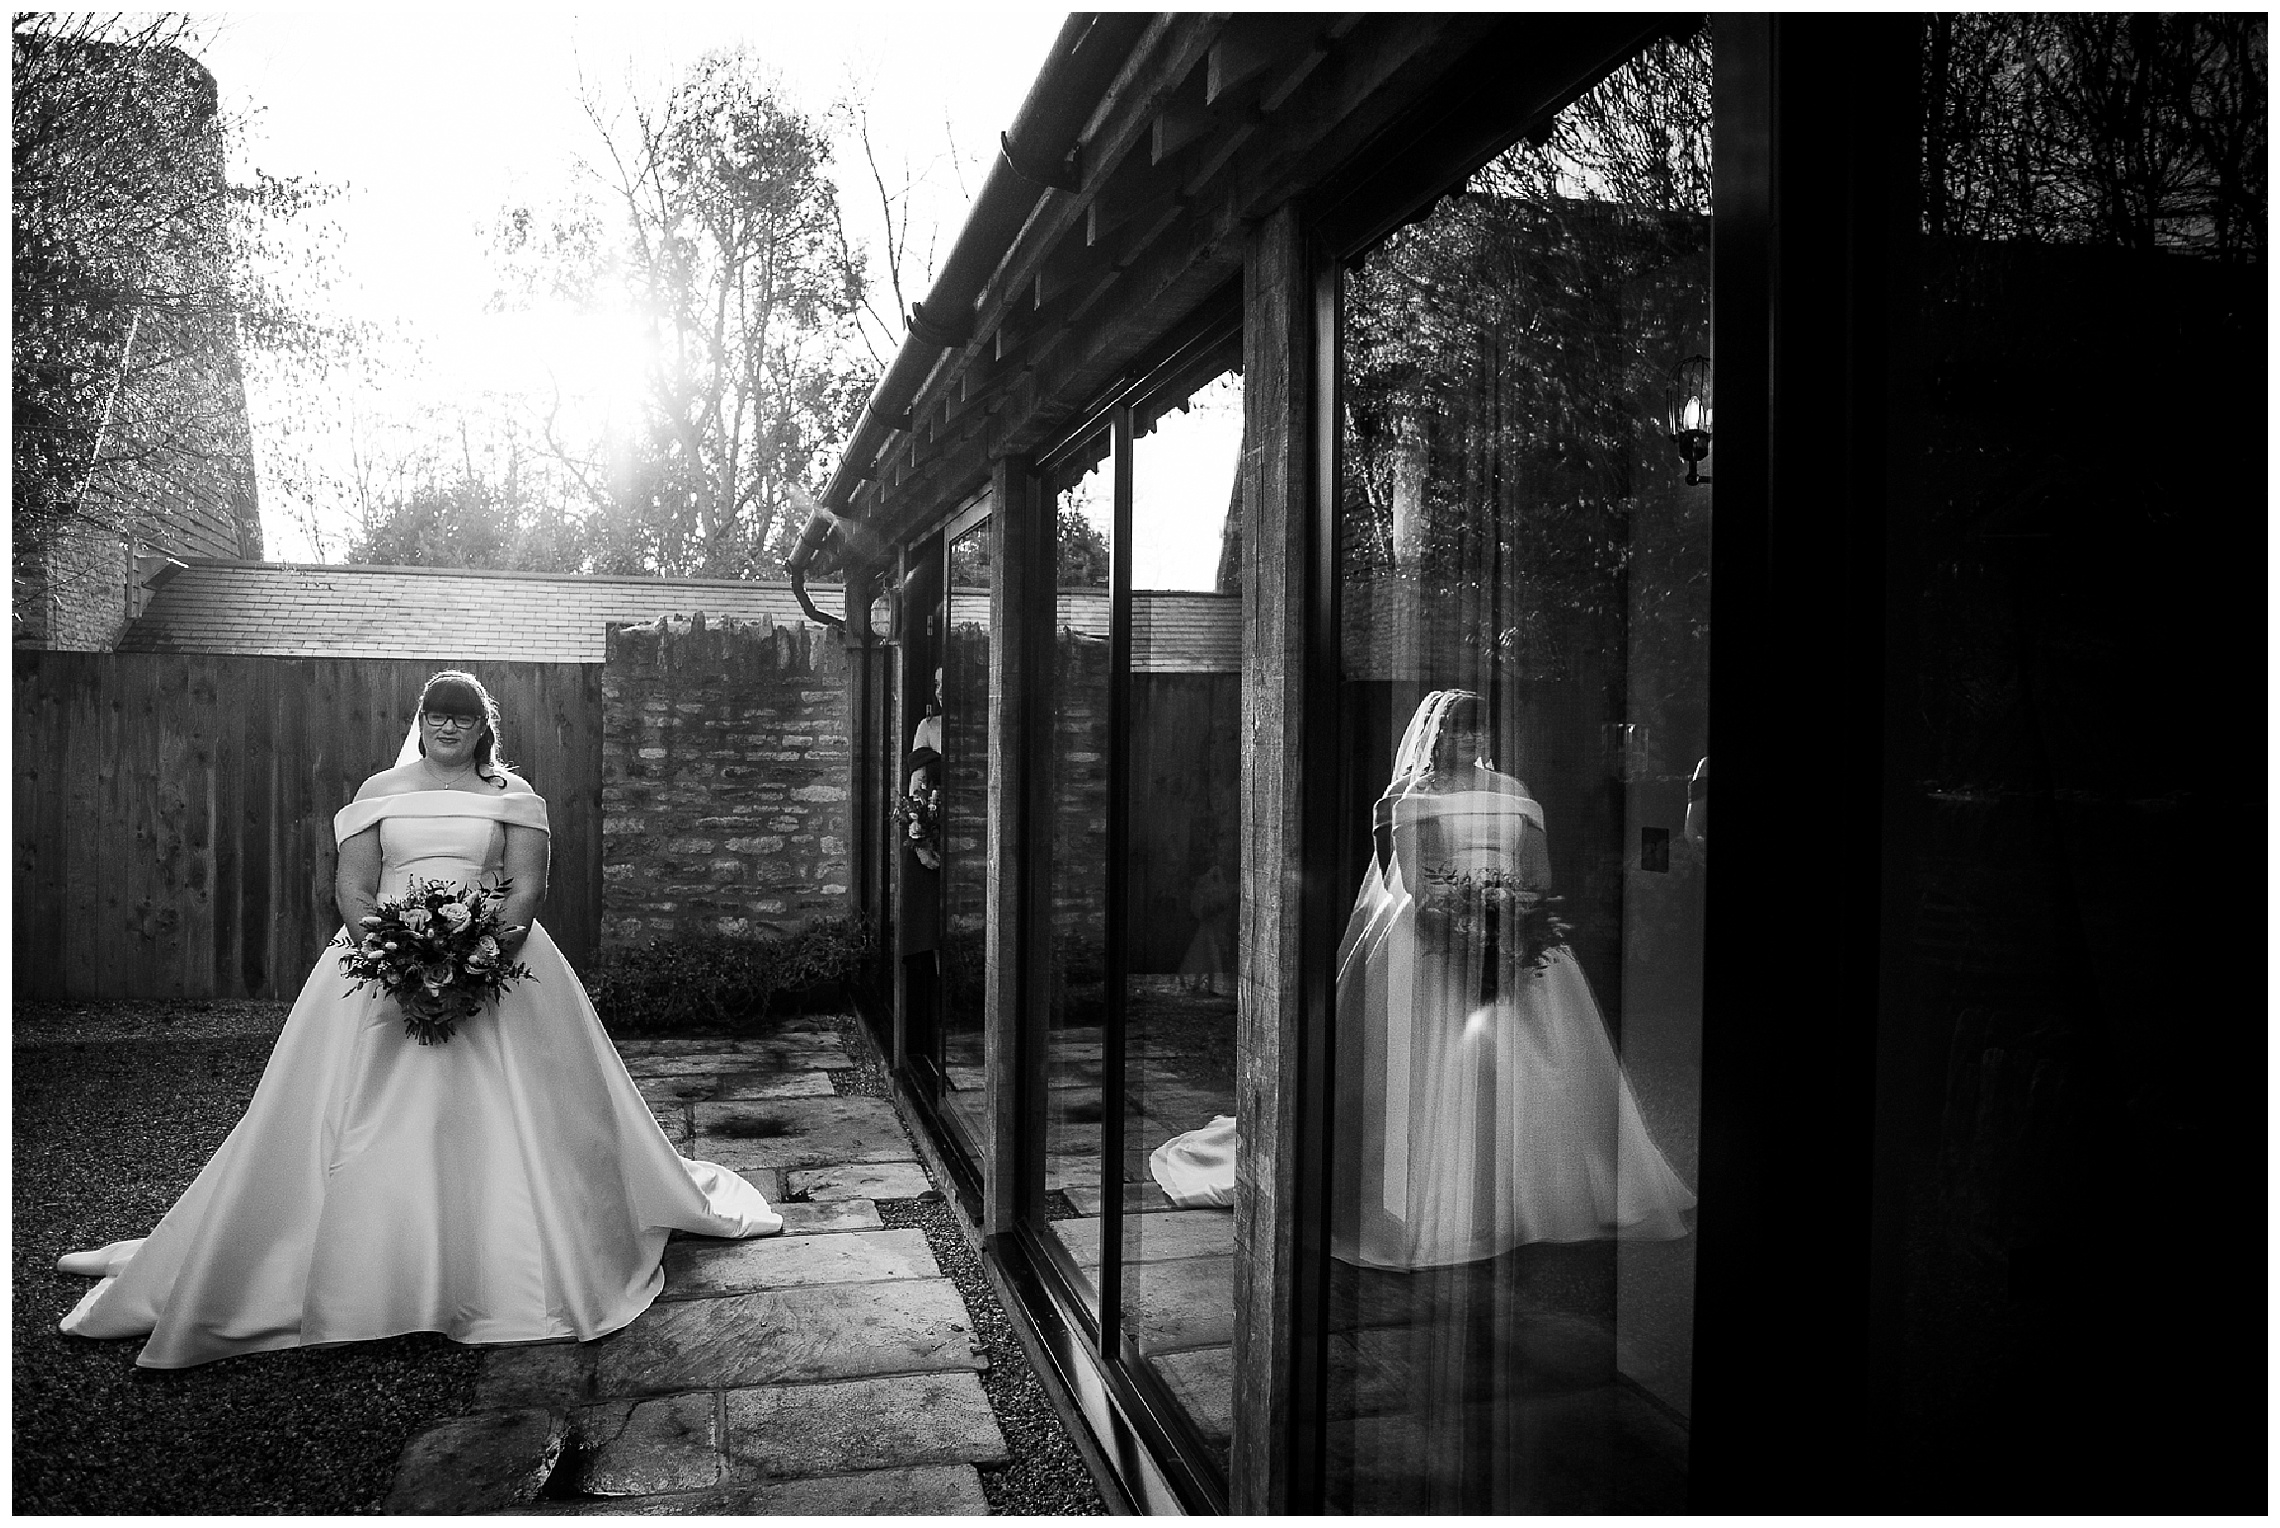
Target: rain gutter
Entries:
(1036, 157)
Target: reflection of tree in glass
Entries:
(970, 561)
(1508, 356)
(2143, 131)
(1083, 557)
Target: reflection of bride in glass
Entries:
(1480, 1103)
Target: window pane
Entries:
(2093, 226)
(1076, 767)
(1181, 904)
(1524, 588)
(965, 692)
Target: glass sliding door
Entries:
(1139, 743)
(1074, 759)
(964, 688)
(1182, 871)
(1523, 601)
(940, 824)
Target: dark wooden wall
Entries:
(173, 812)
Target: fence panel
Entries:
(173, 814)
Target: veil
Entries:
(411, 749)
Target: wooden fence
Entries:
(174, 812)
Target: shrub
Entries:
(719, 982)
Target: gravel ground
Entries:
(1045, 1476)
(117, 1106)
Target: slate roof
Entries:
(316, 610)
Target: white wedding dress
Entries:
(1468, 1124)
(509, 1186)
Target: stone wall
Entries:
(71, 594)
(724, 780)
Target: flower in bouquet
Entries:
(437, 949)
(1485, 908)
(918, 812)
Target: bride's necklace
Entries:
(448, 782)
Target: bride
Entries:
(510, 1185)
(1481, 1105)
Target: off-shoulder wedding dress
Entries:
(1478, 1109)
(509, 1186)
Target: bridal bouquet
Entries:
(1457, 909)
(918, 812)
(438, 951)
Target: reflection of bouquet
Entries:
(918, 811)
(1460, 909)
(437, 950)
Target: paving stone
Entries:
(1140, 1198)
(817, 1058)
(926, 1490)
(858, 1180)
(800, 1132)
(673, 1119)
(1155, 1238)
(480, 1463)
(1075, 1175)
(1186, 1304)
(1203, 1381)
(781, 1431)
(773, 1085)
(694, 1269)
(690, 1087)
(824, 1331)
(763, 1059)
(1180, 1105)
(640, 1448)
(828, 1215)
(1368, 1376)
(677, 1088)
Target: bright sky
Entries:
(435, 119)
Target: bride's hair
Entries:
(458, 690)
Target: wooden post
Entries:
(1277, 350)
(1022, 581)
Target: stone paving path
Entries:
(828, 1370)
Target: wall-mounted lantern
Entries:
(886, 608)
(1689, 417)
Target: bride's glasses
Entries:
(442, 719)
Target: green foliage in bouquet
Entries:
(716, 982)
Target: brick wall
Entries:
(724, 780)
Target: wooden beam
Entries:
(1270, 1022)
(1184, 118)
(1137, 194)
(1378, 73)
(1069, 276)
(1022, 561)
(1254, 43)
(1068, 370)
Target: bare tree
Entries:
(712, 220)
